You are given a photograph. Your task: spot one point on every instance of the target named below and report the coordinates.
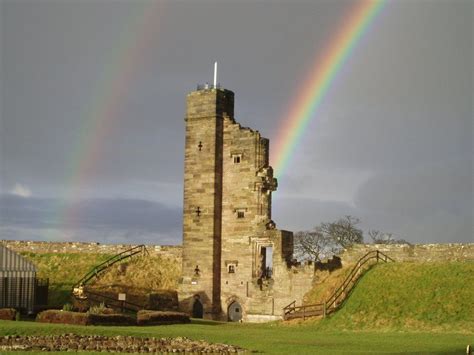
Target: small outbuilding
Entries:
(17, 281)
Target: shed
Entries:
(17, 281)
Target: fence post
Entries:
(304, 313)
(324, 310)
(377, 256)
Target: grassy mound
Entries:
(63, 271)
(325, 283)
(411, 296)
(145, 272)
(138, 277)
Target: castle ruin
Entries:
(236, 264)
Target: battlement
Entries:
(209, 103)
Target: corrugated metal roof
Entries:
(11, 261)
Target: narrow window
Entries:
(237, 158)
(266, 262)
(231, 269)
(240, 214)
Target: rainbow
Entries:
(99, 119)
(314, 90)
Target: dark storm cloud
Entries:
(420, 191)
(95, 214)
(390, 144)
(432, 202)
(305, 213)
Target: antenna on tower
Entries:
(215, 75)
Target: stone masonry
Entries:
(40, 247)
(418, 253)
(236, 264)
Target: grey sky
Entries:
(392, 143)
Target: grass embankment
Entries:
(137, 277)
(325, 283)
(63, 271)
(410, 296)
(271, 338)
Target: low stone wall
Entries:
(96, 343)
(413, 253)
(83, 248)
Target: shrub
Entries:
(100, 309)
(64, 317)
(110, 319)
(8, 313)
(163, 300)
(147, 317)
(67, 307)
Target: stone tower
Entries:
(232, 253)
(202, 208)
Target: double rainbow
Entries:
(314, 90)
(99, 120)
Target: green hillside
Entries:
(138, 276)
(410, 296)
(63, 270)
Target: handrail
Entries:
(289, 307)
(344, 289)
(78, 287)
(353, 275)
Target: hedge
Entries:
(7, 313)
(65, 317)
(147, 317)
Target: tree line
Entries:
(329, 238)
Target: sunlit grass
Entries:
(272, 338)
(411, 296)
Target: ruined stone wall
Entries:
(174, 252)
(413, 253)
(289, 283)
(245, 209)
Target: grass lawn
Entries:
(275, 338)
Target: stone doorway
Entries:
(198, 309)
(234, 312)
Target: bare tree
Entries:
(327, 238)
(312, 244)
(384, 238)
(343, 232)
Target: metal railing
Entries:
(78, 289)
(338, 297)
